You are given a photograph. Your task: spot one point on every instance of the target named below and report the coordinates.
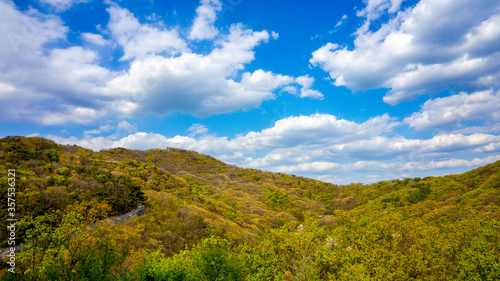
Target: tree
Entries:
(212, 259)
(78, 245)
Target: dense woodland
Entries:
(207, 220)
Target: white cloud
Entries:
(379, 166)
(62, 5)
(201, 85)
(53, 86)
(306, 82)
(153, 17)
(206, 14)
(374, 9)
(163, 85)
(197, 129)
(452, 163)
(264, 80)
(96, 39)
(95, 143)
(6, 89)
(127, 127)
(324, 147)
(491, 147)
(483, 129)
(290, 89)
(142, 141)
(78, 115)
(341, 21)
(50, 89)
(384, 147)
(449, 111)
(91, 132)
(24, 34)
(139, 40)
(425, 49)
(117, 129)
(314, 129)
(308, 167)
(310, 93)
(236, 49)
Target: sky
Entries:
(340, 91)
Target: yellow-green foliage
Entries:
(274, 226)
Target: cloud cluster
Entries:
(52, 88)
(449, 111)
(61, 85)
(425, 49)
(323, 146)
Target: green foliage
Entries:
(210, 260)
(276, 199)
(206, 220)
(157, 268)
(261, 264)
(213, 260)
(420, 193)
(75, 249)
(480, 258)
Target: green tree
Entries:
(214, 260)
(74, 246)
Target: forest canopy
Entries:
(207, 220)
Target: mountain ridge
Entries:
(191, 197)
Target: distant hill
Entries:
(277, 226)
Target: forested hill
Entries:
(207, 220)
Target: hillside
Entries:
(255, 225)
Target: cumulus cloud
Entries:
(379, 166)
(24, 34)
(449, 111)
(127, 127)
(324, 147)
(264, 80)
(206, 14)
(139, 40)
(315, 129)
(50, 89)
(421, 50)
(489, 148)
(461, 163)
(374, 9)
(191, 83)
(306, 82)
(52, 86)
(201, 85)
(96, 39)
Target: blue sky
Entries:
(340, 91)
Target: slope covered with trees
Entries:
(207, 220)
